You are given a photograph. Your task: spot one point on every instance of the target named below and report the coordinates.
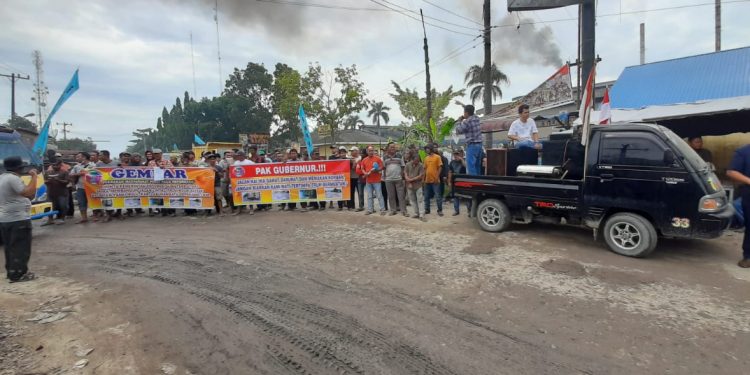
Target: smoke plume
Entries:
(279, 21)
(527, 44)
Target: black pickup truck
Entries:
(631, 184)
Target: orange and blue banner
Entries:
(292, 182)
(148, 187)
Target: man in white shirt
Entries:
(523, 131)
(15, 219)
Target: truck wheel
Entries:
(630, 235)
(493, 215)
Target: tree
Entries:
(76, 144)
(378, 111)
(286, 100)
(18, 122)
(352, 122)
(414, 108)
(474, 78)
(331, 99)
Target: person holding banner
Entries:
(77, 175)
(356, 183)
(212, 160)
(240, 159)
(372, 167)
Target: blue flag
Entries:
(305, 130)
(40, 146)
(174, 147)
(198, 140)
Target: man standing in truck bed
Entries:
(471, 130)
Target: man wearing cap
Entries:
(15, 218)
(158, 161)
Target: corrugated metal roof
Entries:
(724, 74)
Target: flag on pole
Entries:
(605, 111)
(198, 140)
(40, 146)
(587, 102)
(305, 130)
(174, 147)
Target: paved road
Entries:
(341, 293)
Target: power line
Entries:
(453, 13)
(428, 17)
(324, 6)
(418, 20)
(449, 56)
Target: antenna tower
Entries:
(40, 88)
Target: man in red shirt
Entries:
(372, 167)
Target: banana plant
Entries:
(435, 132)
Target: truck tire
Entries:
(630, 234)
(493, 215)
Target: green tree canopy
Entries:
(18, 122)
(330, 99)
(76, 144)
(414, 108)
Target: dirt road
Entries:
(343, 293)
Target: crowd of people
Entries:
(394, 178)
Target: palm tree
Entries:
(378, 111)
(475, 79)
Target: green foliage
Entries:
(76, 144)
(332, 99)
(474, 78)
(414, 107)
(286, 100)
(18, 122)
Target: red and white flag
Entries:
(587, 103)
(605, 111)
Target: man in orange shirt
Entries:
(372, 167)
(433, 164)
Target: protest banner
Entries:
(272, 183)
(147, 187)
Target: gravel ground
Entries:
(342, 293)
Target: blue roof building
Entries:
(717, 75)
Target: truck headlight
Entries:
(711, 204)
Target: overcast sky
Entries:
(134, 56)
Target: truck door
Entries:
(634, 171)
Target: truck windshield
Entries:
(14, 147)
(687, 152)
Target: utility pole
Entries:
(13, 78)
(427, 75)
(588, 28)
(643, 43)
(718, 25)
(487, 70)
(65, 129)
(218, 45)
(192, 60)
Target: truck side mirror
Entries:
(669, 158)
